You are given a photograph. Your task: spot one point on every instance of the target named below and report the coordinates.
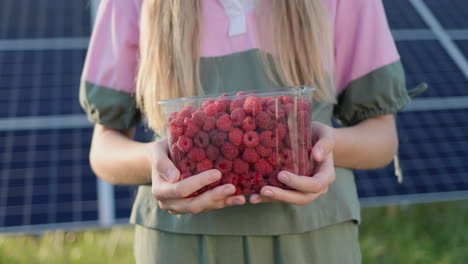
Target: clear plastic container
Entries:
(250, 136)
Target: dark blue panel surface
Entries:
(452, 14)
(44, 18)
(427, 61)
(433, 156)
(401, 15)
(35, 83)
(463, 46)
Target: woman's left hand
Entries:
(306, 188)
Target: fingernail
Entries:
(171, 174)
(268, 193)
(283, 177)
(227, 190)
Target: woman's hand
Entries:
(170, 191)
(308, 188)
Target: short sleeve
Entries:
(369, 75)
(107, 90)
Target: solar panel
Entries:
(402, 15)
(25, 19)
(451, 14)
(463, 46)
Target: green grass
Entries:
(429, 233)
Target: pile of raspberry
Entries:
(249, 139)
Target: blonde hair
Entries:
(301, 53)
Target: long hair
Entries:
(297, 33)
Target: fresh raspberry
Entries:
(172, 116)
(263, 167)
(201, 139)
(217, 137)
(230, 178)
(223, 165)
(185, 112)
(176, 128)
(187, 165)
(229, 150)
(240, 166)
(276, 111)
(204, 165)
(212, 152)
(222, 105)
(185, 143)
(274, 159)
(284, 99)
(286, 156)
(191, 127)
(248, 124)
(241, 93)
(263, 151)
(250, 155)
(303, 105)
(176, 153)
(303, 119)
(199, 117)
(237, 116)
(287, 141)
(197, 154)
(235, 136)
(280, 131)
(293, 168)
(273, 181)
(224, 123)
(253, 105)
(211, 110)
(305, 137)
(263, 120)
(288, 108)
(251, 139)
(209, 123)
(256, 182)
(237, 103)
(268, 139)
(206, 104)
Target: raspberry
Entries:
(199, 117)
(224, 123)
(229, 150)
(288, 108)
(222, 104)
(250, 155)
(273, 181)
(263, 167)
(209, 124)
(197, 154)
(291, 168)
(201, 139)
(241, 93)
(187, 166)
(223, 165)
(237, 116)
(185, 112)
(303, 119)
(274, 159)
(248, 124)
(284, 99)
(192, 127)
(240, 166)
(251, 139)
(176, 128)
(303, 105)
(230, 178)
(263, 120)
(217, 137)
(268, 139)
(211, 110)
(286, 156)
(212, 152)
(176, 153)
(185, 144)
(204, 165)
(276, 111)
(253, 105)
(237, 103)
(172, 116)
(235, 136)
(206, 104)
(280, 131)
(263, 151)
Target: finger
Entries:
(325, 142)
(326, 171)
(163, 190)
(288, 196)
(257, 199)
(210, 200)
(163, 165)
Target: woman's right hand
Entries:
(170, 191)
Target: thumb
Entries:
(163, 165)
